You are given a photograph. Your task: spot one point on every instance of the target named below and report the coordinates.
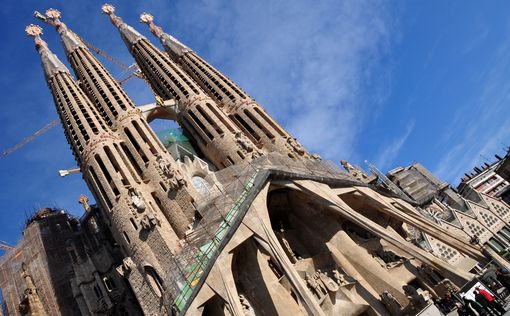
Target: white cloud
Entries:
(311, 65)
(390, 151)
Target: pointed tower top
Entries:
(70, 40)
(166, 39)
(128, 33)
(50, 61)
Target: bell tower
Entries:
(243, 110)
(150, 162)
(147, 240)
(217, 137)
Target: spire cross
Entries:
(109, 10)
(148, 19)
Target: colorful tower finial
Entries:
(50, 61)
(129, 34)
(166, 39)
(70, 40)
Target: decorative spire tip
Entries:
(53, 14)
(108, 9)
(146, 18)
(34, 30)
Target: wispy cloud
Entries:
(480, 128)
(391, 150)
(311, 66)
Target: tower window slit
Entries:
(209, 120)
(107, 175)
(136, 145)
(191, 129)
(246, 127)
(126, 237)
(257, 123)
(221, 116)
(100, 187)
(144, 137)
(115, 165)
(131, 159)
(201, 125)
(132, 220)
(270, 121)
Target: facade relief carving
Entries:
(175, 178)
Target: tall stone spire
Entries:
(244, 111)
(132, 211)
(80, 120)
(152, 163)
(217, 137)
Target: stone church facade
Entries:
(253, 224)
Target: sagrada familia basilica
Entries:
(246, 222)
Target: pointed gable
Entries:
(498, 207)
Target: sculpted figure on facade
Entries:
(126, 267)
(391, 304)
(137, 200)
(312, 283)
(387, 258)
(247, 308)
(175, 178)
(353, 171)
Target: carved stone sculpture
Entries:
(175, 178)
(247, 308)
(391, 304)
(297, 147)
(137, 200)
(314, 285)
(243, 142)
(353, 171)
(126, 267)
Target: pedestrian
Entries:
(503, 277)
(492, 301)
(464, 310)
(482, 300)
(475, 305)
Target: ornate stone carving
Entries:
(330, 285)
(416, 301)
(244, 142)
(391, 304)
(126, 267)
(313, 284)
(295, 146)
(353, 171)
(388, 259)
(247, 308)
(175, 179)
(137, 200)
(149, 221)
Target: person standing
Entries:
(487, 301)
(475, 305)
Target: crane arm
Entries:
(30, 138)
(4, 246)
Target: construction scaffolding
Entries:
(43, 251)
(223, 209)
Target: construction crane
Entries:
(5, 246)
(133, 71)
(30, 138)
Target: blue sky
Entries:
(391, 82)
